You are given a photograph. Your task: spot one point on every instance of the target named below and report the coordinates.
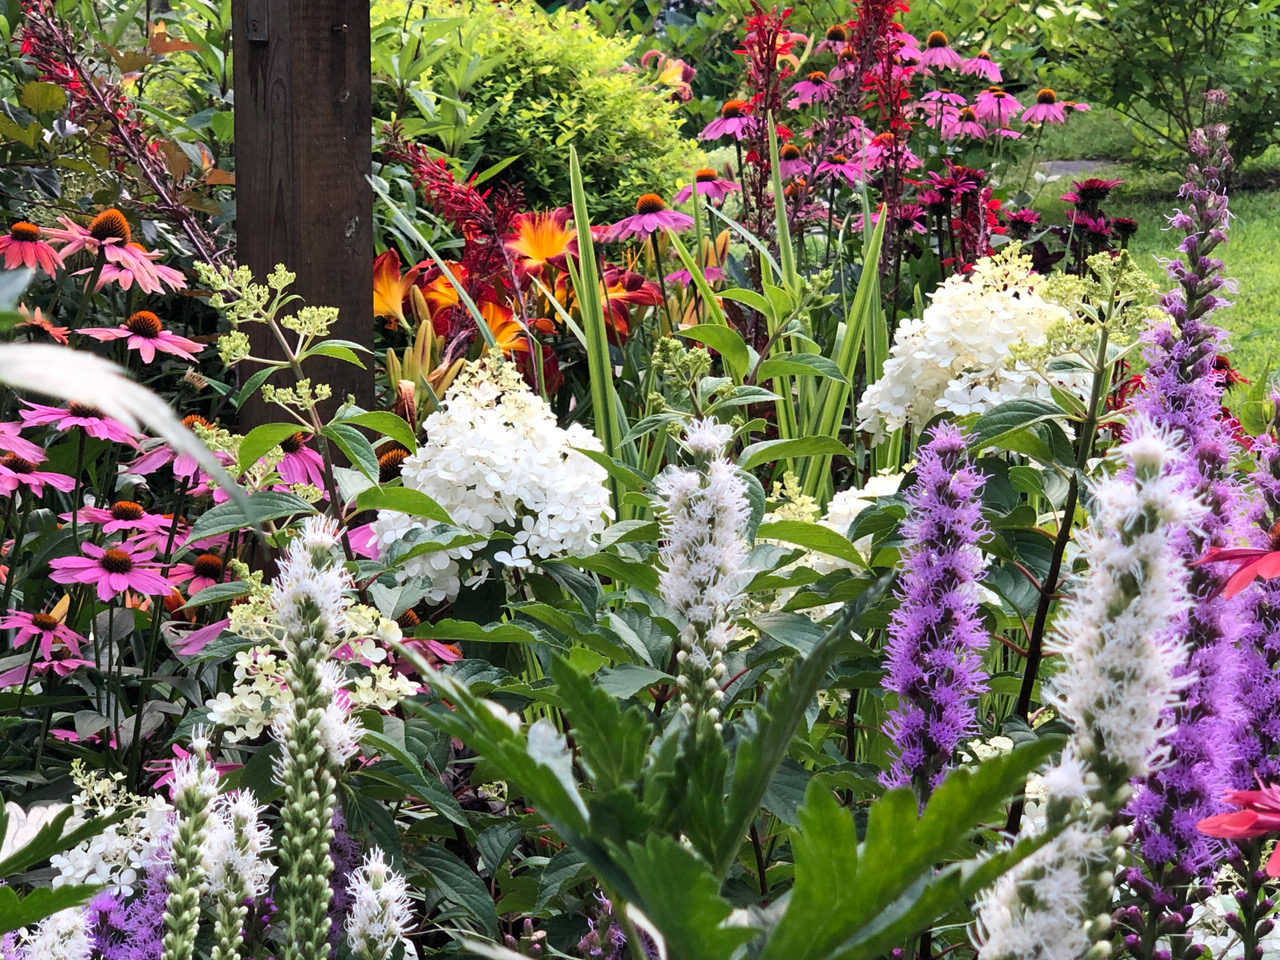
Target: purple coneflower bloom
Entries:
(16, 471)
(734, 121)
(965, 124)
(836, 37)
(12, 442)
(146, 335)
(684, 278)
(121, 515)
(92, 420)
(708, 185)
(1022, 222)
(109, 233)
(982, 66)
(113, 569)
(815, 88)
(23, 247)
(938, 53)
(945, 95)
(651, 216)
(995, 106)
(45, 628)
(301, 464)
(204, 571)
(1047, 109)
(792, 161)
(936, 635)
(840, 167)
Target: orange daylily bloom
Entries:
(508, 333)
(390, 288)
(542, 238)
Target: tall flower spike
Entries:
(195, 785)
(236, 870)
(936, 635)
(380, 915)
(704, 553)
(1121, 657)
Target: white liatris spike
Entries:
(308, 597)
(319, 532)
(61, 936)
(704, 553)
(234, 854)
(379, 917)
(1114, 634)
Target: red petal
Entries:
(1233, 826)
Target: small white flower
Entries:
(380, 916)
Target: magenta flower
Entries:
(165, 767)
(995, 106)
(1046, 109)
(815, 88)
(965, 124)
(16, 471)
(684, 278)
(151, 278)
(981, 66)
(92, 420)
(301, 464)
(146, 335)
(123, 515)
(62, 666)
(114, 570)
(12, 442)
(651, 216)
(734, 121)
(945, 95)
(124, 262)
(23, 247)
(840, 167)
(938, 53)
(44, 628)
(363, 540)
(708, 185)
(791, 161)
(204, 571)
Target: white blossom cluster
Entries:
(117, 857)
(495, 459)
(60, 936)
(957, 356)
(380, 915)
(234, 849)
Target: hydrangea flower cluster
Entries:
(496, 460)
(957, 356)
(935, 636)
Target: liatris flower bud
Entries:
(195, 785)
(235, 869)
(380, 915)
(704, 516)
(933, 662)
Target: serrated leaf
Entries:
(387, 424)
(17, 912)
(459, 884)
(355, 445)
(261, 439)
(402, 500)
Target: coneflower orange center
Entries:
(84, 411)
(967, 115)
(839, 158)
(126, 510)
(191, 419)
(817, 76)
(408, 620)
(389, 464)
(208, 565)
(144, 323)
(705, 175)
(24, 231)
(116, 560)
(17, 464)
(937, 39)
(110, 224)
(293, 443)
(1046, 96)
(789, 152)
(983, 56)
(837, 33)
(734, 108)
(650, 203)
(44, 621)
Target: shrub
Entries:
(508, 80)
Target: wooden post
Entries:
(303, 118)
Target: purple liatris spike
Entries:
(933, 661)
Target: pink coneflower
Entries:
(982, 66)
(708, 185)
(1022, 223)
(364, 541)
(815, 88)
(125, 261)
(114, 570)
(1046, 109)
(123, 515)
(996, 107)
(840, 167)
(37, 326)
(734, 121)
(791, 161)
(204, 571)
(92, 420)
(846, 68)
(185, 466)
(1091, 192)
(166, 767)
(965, 124)
(16, 471)
(12, 442)
(1095, 228)
(938, 53)
(1125, 228)
(301, 464)
(61, 666)
(22, 246)
(835, 39)
(884, 148)
(146, 334)
(945, 95)
(151, 278)
(651, 216)
(684, 278)
(45, 628)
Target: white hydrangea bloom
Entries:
(1208, 924)
(495, 459)
(957, 356)
(380, 916)
(845, 507)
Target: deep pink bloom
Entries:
(734, 121)
(1047, 109)
(938, 53)
(189, 644)
(982, 66)
(165, 767)
(684, 278)
(301, 464)
(1259, 815)
(815, 88)
(124, 262)
(708, 185)
(92, 420)
(996, 107)
(944, 95)
(651, 216)
(16, 471)
(150, 277)
(122, 515)
(62, 666)
(146, 335)
(1250, 564)
(364, 542)
(23, 247)
(204, 571)
(12, 442)
(965, 124)
(840, 167)
(114, 570)
(43, 627)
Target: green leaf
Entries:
(466, 630)
(403, 500)
(727, 341)
(335, 350)
(40, 97)
(1008, 418)
(611, 743)
(355, 445)
(459, 884)
(801, 365)
(260, 507)
(261, 439)
(387, 424)
(620, 571)
(42, 902)
(767, 451)
(217, 593)
(50, 839)
(424, 785)
(811, 536)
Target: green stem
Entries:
(89, 287)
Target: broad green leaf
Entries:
(801, 365)
(355, 445)
(611, 743)
(260, 507)
(767, 451)
(466, 630)
(387, 424)
(811, 536)
(261, 439)
(424, 784)
(459, 884)
(41, 97)
(402, 500)
(335, 350)
(17, 912)
(725, 340)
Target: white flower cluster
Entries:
(956, 357)
(116, 857)
(495, 459)
(61, 936)
(1119, 655)
(234, 849)
(380, 916)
